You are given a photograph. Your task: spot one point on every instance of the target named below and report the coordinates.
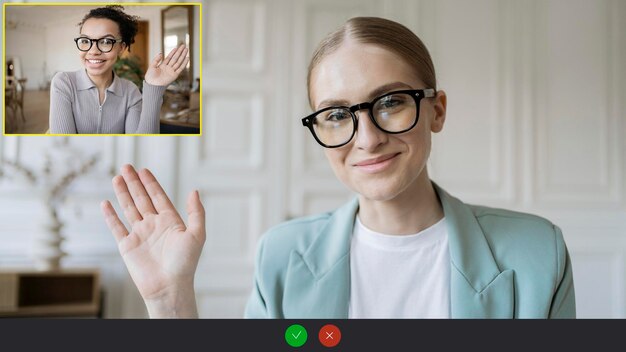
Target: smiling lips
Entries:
(95, 62)
(377, 164)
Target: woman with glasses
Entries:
(94, 99)
(403, 248)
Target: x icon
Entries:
(329, 335)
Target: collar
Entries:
(83, 82)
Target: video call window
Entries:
(101, 69)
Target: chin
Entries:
(379, 191)
(97, 72)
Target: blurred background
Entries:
(40, 43)
(536, 123)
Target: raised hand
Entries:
(163, 72)
(160, 251)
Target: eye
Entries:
(107, 41)
(337, 115)
(389, 102)
(83, 41)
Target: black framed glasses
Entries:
(395, 112)
(103, 44)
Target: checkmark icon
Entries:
(296, 335)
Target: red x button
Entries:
(329, 335)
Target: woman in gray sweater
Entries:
(94, 99)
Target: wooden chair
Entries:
(14, 96)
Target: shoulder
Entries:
(515, 237)
(498, 225)
(128, 87)
(497, 222)
(64, 80)
(126, 82)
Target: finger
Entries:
(182, 67)
(137, 191)
(126, 200)
(114, 223)
(181, 59)
(170, 55)
(157, 59)
(177, 54)
(160, 200)
(196, 216)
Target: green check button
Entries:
(296, 335)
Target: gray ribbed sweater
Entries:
(75, 107)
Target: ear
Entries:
(440, 106)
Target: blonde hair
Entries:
(387, 34)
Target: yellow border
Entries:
(4, 5)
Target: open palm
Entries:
(160, 251)
(163, 72)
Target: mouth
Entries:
(94, 62)
(376, 164)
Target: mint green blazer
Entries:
(503, 264)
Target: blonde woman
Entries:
(403, 248)
(94, 99)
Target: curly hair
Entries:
(128, 24)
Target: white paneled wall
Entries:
(237, 162)
(536, 122)
(476, 68)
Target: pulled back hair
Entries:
(387, 34)
(128, 24)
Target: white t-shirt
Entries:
(400, 276)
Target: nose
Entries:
(368, 136)
(94, 49)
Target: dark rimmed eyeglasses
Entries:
(395, 112)
(103, 44)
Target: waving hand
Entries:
(163, 72)
(160, 251)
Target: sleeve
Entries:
(563, 302)
(256, 307)
(61, 118)
(145, 110)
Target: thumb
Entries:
(195, 216)
(157, 60)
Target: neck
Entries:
(410, 212)
(102, 81)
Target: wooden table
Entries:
(68, 292)
(181, 120)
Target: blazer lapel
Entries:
(478, 288)
(317, 283)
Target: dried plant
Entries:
(53, 183)
(62, 165)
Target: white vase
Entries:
(46, 250)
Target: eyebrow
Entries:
(373, 94)
(86, 36)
